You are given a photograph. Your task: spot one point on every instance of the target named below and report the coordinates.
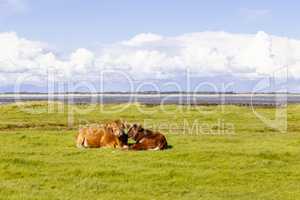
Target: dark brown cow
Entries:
(146, 139)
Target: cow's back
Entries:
(151, 141)
(96, 137)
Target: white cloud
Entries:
(150, 55)
(81, 60)
(206, 53)
(18, 54)
(143, 39)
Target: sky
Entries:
(237, 45)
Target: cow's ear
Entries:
(118, 121)
(126, 124)
(140, 128)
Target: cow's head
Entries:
(134, 130)
(114, 128)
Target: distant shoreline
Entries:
(150, 93)
(158, 99)
(146, 95)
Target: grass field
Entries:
(234, 156)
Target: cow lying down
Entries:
(146, 139)
(107, 135)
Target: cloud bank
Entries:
(151, 56)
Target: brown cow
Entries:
(146, 139)
(107, 135)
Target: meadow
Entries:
(231, 154)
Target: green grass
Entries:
(38, 158)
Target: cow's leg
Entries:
(138, 147)
(155, 149)
(85, 143)
(80, 141)
(117, 144)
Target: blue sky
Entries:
(75, 23)
(145, 30)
